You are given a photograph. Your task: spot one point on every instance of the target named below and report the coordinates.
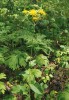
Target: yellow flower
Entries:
(33, 12)
(25, 11)
(41, 11)
(35, 18)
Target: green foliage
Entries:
(35, 89)
(13, 62)
(2, 76)
(65, 94)
(9, 97)
(34, 43)
(31, 74)
(1, 59)
(2, 85)
(20, 89)
(62, 56)
(42, 60)
(17, 59)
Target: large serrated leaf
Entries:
(16, 89)
(12, 62)
(22, 62)
(42, 60)
(2, 87)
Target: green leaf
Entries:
(1, 59)
(2, 76)
(32, 63)
(20, 89)
(63, 96)
(35, 89)
(42, 60)
(16, 89)
(22, 61)
(12, 62)
(9, 97)
(37, 73)
(2, 87)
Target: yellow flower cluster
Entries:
(35, 18)
(25, 11)
(36, 14)
(33, 12)
(41, 11)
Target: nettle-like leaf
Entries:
(36, 72)
(38, 43)
(24, 89)
(12, 62)
(2, 87)
(42, 60)
(22, 61)
(32, 63)
(4, 49)
(31, 74)
(16, 89)
(28, 76)
(2, 76)
(17, 59)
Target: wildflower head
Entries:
(33, 12)
(41, 11)
(35, 18)
(25, 11)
